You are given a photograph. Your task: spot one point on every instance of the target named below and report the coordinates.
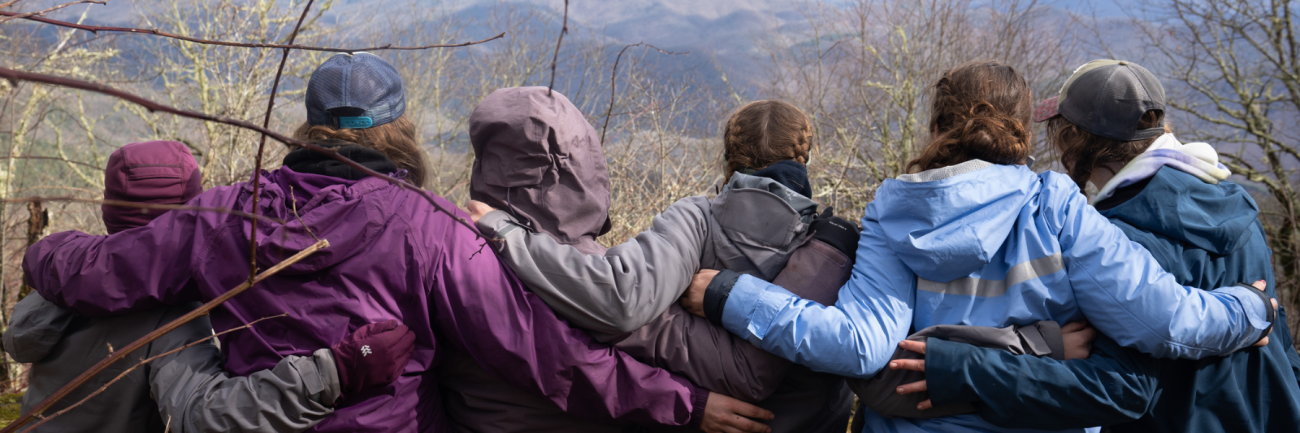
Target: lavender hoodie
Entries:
(435, 276)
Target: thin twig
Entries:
(293, 200)
(155, 32)
(261, 144)
(564, 28)
(145, 206)
(143, 362)
(613, 83)
(16, 76)
(150, 337)
(28, 15)
(54, 158)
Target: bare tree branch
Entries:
(27, 15)
(144, 207)
(154, 335)
(143, 362)
(613, 83)
(16, 76)
(261, 144)
(54, 158)
(564, 28)
(155, 32)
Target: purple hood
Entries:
(151, 172)
(536, 157)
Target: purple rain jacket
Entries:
(391, 257)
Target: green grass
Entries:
(9, 406)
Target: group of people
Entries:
(976, 295)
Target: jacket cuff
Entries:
(1270, 313)
(1260, 316)
(329, 376)
(715, 296)
(751, 307)
(946, 362)
(699, 400)
(497, 224)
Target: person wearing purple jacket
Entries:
(188, 391)
(437, 276)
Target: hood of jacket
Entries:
(150, 172)
(537, 157)
(327, 196)
(948, 222)
(1215, 218)
(756, 223)
(314, 206)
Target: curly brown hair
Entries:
(764, 132)
(1082, 152)
(394, 139)
(979, 110)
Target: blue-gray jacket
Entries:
(989, 245)
(1206, 236)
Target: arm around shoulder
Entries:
(1126, 295)
(855, 337)
(614, 293)
(129, 271)
(1112, 386)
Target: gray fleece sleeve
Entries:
(196, 395)
(620, 291)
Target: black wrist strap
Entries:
(1270, 313)
(715, 295)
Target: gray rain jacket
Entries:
(192, 391)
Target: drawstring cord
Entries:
(510, 208)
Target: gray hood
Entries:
(536, 157)
(756, 224)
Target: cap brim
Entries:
(1046, 109)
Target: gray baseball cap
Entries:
(355, 91)
(1108, 98)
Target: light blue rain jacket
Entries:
(989, 245)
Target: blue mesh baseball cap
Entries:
(355, 91)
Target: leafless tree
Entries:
(863, 71)
(1233, 69)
